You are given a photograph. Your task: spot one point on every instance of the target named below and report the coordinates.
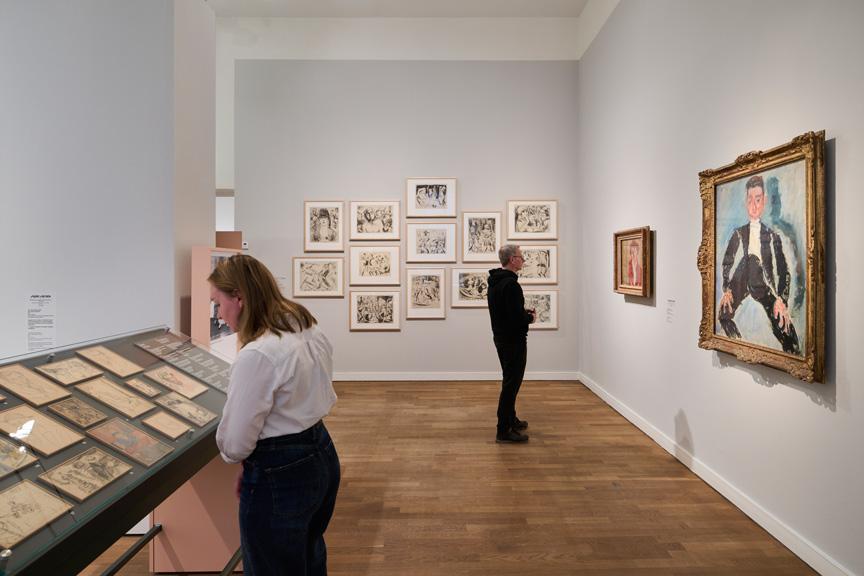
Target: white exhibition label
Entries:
(41, 325)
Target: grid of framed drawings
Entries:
(434, 233)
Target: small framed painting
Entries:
(374, 220)
(633, 262)
(469, 287)
(323, 226)
(374, 266)
(481, 236)
(378, 311)
(544, 303)
(318, 277)
(539, 264)
(431, 242)
(532, 219)
(426, 288)
(430, 198)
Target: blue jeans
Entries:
(287, 497)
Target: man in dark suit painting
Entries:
(761, 273)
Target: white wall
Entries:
(356, 130)
(86, 155)
(666, 90)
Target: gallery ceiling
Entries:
(398, 8)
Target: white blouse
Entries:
(278, 386)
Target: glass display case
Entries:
(94, 438)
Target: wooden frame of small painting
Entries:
(374, 311)
(32, 387)
(131, 441)
(27, 508)
(374, 266)
(632, 273)
(374, 220)
(86, 473)
(322, 277)
(539, 264)
(481, 236)
(426, 290)
(430, 197)
(323, 226)
(69, 371)
(430, 242)
(545, 306)
(469, 287)
(532, 219)
(37, 430)
(110, 360)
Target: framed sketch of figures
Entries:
(430, 198)
(78, 412)
(377, 311)
(131, 441)
(42, 433)
(177, 381)
(323, 225)
(481, 236)
(545, 306)
(426, 288)
(69, 371)
(30, 386)
(374, 265)
(633, 262)
(761, 257)
(110, 360)
(318, 277)
(374, 220)
(120, 399)
(539, 264)
(25, 509)
(85, 474)
(532, 219)
(186, 409)
(13, 457)
(469, 287)
(431, 242)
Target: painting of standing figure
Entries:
(632, 249)
(763, 288)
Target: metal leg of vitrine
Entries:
(134, 549)
(232, 563)
(4, 560)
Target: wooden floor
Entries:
(426, 491)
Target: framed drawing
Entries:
(431, 242)
(25, 509)
(131, 441)
(30, 386)
(318, 277)
(430, 198)
(469, 287)
(374, 266)
(545, 306)
(175, 380)
(186, 409)
(632, 265)
(539, 264)
(323, 226)
(532, 219)
(761, 257)
(142, 387)
(78, 412)
(42, 433)
(426, 288)
(378, 311)
(481, 236)
(120, 399)
(69, 371)
(85, 474)
(166, 425)
(374, 220)
(110, 360)
(13, 457)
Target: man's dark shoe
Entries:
(510, 437)
(520, 424)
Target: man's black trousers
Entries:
(513, 355)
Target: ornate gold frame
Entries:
(810, 147)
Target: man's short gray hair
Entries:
(506, 252)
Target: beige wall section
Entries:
(194, 143)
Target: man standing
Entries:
(510, 323)
(761, 256)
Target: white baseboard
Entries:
(800, 546)
(425, 376)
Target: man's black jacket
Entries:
(507, 306)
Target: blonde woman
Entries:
(280, 389)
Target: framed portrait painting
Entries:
(532, 219)
(481, 236)
(539, 264)
(374, 220)
(430, 198)
(323, 225)
(374, 265)
(376, 311)
(545, 306)
(426, 288)
(469, 287)
(632, 249)
(761, 257)
(431, 242)
(318, 277)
